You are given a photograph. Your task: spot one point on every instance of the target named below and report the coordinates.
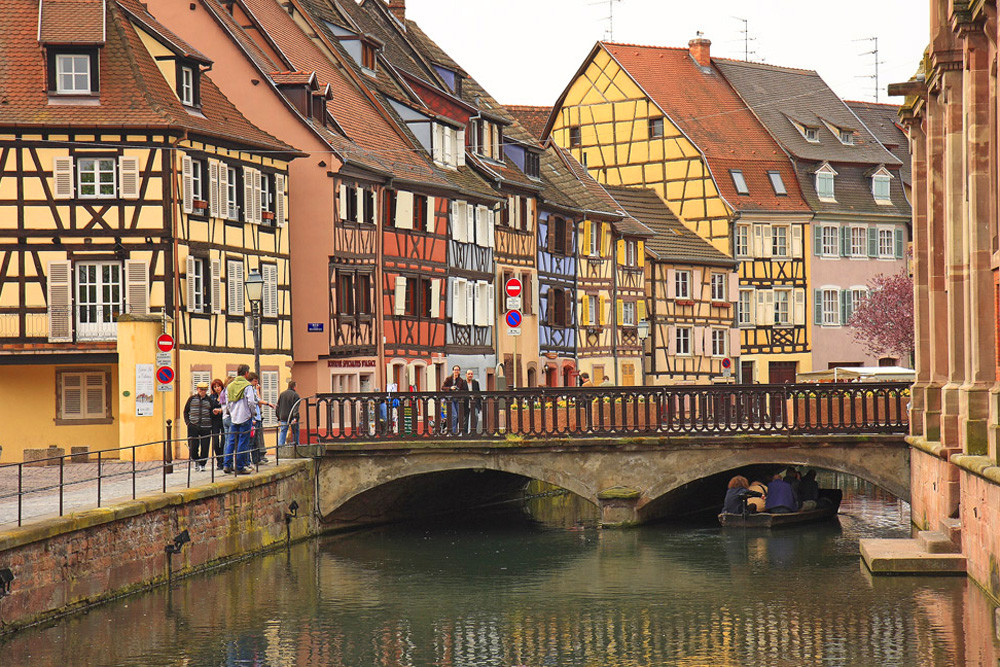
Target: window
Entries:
(346, 293)
(719, 286)
(96, 178)
(557, 315)
(880, 188)
(558, 235)
(846, 137)
(418, 297)
(630, 250)
(532, 164)
(420, 213)
(777, 183)
(682, 285)
(267, 187)
(83, 395)
(198, 181)
(682, 340)
(368, 60)
(629, 314)
(742, 240)
(389, 208)
(187, 86)
(368, 203)
(739, 182)
(352, 204)
(782, 307)
(596, 229)
(811, 133)
(197, 284)
(859, 236)
(232, 188)
(886, 243)
(828, 240)
(719, 339)
(744, 313)
(824, 186)
(855, 297)
(655, 128)
(593, 306)
(575, 136)
(830, 305)
(73, 74)
(98, 299)
(779, 241)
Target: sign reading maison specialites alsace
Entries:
(350, 363)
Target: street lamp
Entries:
(254, 285)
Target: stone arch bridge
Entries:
(627, 478)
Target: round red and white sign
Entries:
(165, 343)
(512, 287)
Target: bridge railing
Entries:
(837, 408)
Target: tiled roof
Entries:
(883, 121)
(778, 94)
(352, 108)
(671, 240)
(141, 15)
(293, 78)
(133, 92)
(69, 21)
(591, 196)
(853, 191)
(714, 117)
(532, 118)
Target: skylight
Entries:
(777, 183)
(739, 181)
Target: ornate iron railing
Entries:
(786, 409)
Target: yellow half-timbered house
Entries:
(665, 119)
(135, 200)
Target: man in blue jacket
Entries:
(780, 497)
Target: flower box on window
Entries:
(684, 302)
(721, 304)
(200, 204)
(267, 215)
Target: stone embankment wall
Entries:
(67, 563)
(981, 528)
(934, 489)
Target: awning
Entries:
(860, 374)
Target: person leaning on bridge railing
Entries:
(454, 383)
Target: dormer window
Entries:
(73, 73)
(188, 83)
(811, 134)
(881, 183)
(532, 164)
(487, 139)
(739, 182)
(824, 183)
(368, 60)
(777, 183)
(846, 137)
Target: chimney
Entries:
(398, 9)
(701, 50)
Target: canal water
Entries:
(510, 591)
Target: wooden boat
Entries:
(825, 510)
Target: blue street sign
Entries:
(314, 327)
(513, 318)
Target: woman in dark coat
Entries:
(218, 444)
(736, 495)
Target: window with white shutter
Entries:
(216, 286)
(213, 188)
(227, 191)
(435, 305)
(248, 195)
(187, 183)
(62, 178)
(404, 210)
(280, 203)
(137, 286)
(128, 177)
(234, 287)
(270, 297)
(482, 227)
(269, 381)
(399, 295)
(460, 307)
(256, 207)
(200, 376)
(59, 278)
(459, 224)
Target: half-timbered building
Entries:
(664, 118)
(134, 199)
(852, 183)
(691, 292)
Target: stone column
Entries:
(954, 242)
(978, 344)
(619, 507)
(936, 360)
(921, 292)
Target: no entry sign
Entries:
(165, 343)
(512, 287)
(513, 318)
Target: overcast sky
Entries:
(525, 51)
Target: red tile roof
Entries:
(293, 78)
(713, 116)
(70, 21)
(532, 118)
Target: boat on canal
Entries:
(827, 509)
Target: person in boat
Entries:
(781, 497)
(737, 495)
(809, 491)
(757, 503)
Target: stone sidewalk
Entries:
(40, 495)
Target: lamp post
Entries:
(254, 285)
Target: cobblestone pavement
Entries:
(40, 486)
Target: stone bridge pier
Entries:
(624, 477)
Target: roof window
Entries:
(739, 181)
(777, 183)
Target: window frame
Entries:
(630, 314)
(739, 181)
(777, 183)
(55, 75)
(743, 310)
(686, 339)
(786, 300)
(198, 189)
(883, 233)
(833, 250)
(201, 285)
(741, 241)
(575, 136)
(655, 127)
(780, 243)
(104, 416)
(593, 305)
(233, 187)
(718, 283)
(719, 342)
(686, 283)
(830, 306)
(97, 184)
(856, 230)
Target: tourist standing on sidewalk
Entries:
(257, 450)
(288, 414)
(241, 401)
(218, 426)
(198, 417)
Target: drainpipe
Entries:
(614, 303)
(379, 324)
(175, 215)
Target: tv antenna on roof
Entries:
(746, 38)
(609, 34)
(873, 52)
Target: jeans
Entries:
(238, 444)
(283, 431)
(456, 417)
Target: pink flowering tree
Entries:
(883, 322)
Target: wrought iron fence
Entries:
(785, 409)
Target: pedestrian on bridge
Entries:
(455, 384)
(474, 404)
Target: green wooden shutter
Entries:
(845, 241)
(818, 306)
(900, 243)
(872, 242)
(817, 241)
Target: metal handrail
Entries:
(163, 467)
(780, 409)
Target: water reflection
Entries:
(564, 593)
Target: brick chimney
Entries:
(701, 50)
(398, 9)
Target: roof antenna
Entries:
(609, 34)
(873, 52)
(746, 39)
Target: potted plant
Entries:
(200, 204)
(267, 215)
